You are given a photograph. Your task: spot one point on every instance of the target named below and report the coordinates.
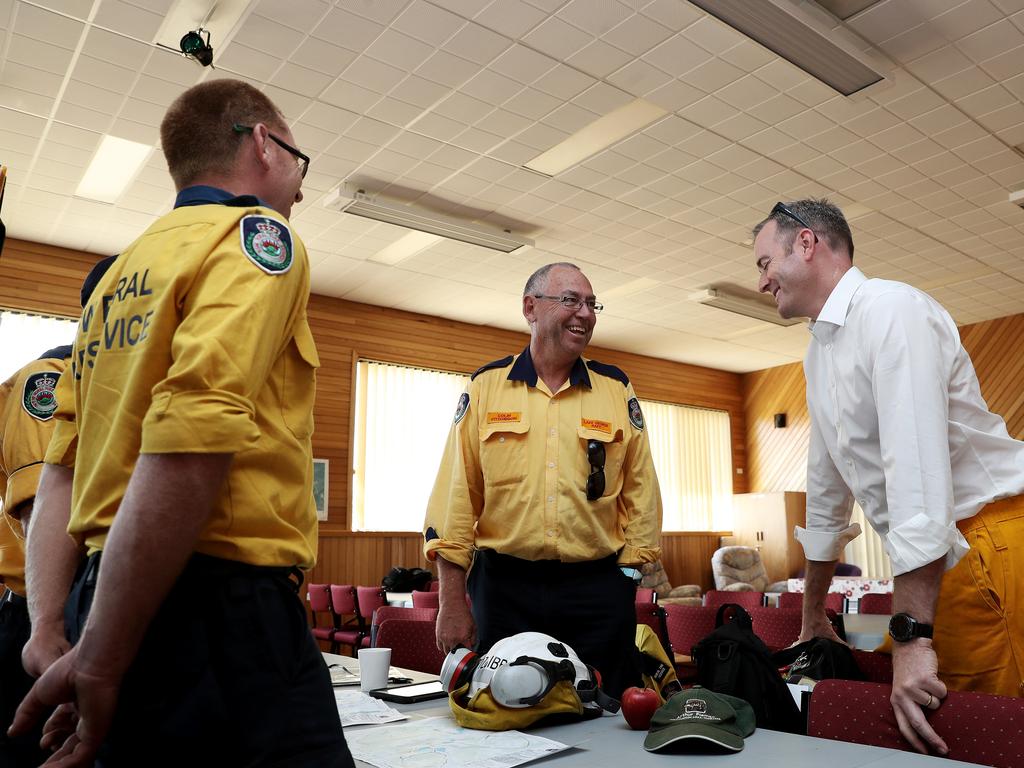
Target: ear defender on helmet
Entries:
(458, 668)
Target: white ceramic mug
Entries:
(374, 664)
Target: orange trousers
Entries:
(979, 618)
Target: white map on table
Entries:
(437, 742)
(357, 708)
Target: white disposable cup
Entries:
(374, 664)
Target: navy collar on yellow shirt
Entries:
(523, 370)
(201, 194)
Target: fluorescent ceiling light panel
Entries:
(410, 217)
(599, 135)
(749, 306)
(112, 168)
(801, 33)
(407, 245)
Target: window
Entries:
(23, 338)
(403, 416)
(692, 450)
(401, 421)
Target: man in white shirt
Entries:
(899, 424)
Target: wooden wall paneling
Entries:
(347, 557)
(43, 279)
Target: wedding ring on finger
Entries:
(930, 700)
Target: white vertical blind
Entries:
(692, 451)
(23, 338)
(401, 420)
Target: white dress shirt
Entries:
(899, 424)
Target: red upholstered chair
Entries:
(386, 612)
(412, 643)
(425, 599)
(646, 595)
(688, 624)
(435, 586)
(716, 597)
(322, 617)
(653, 615)
(873, 602)
(833, 600)
(369, 599)
(350, 627)
(778, 627)
(977, 727)
(877, 667)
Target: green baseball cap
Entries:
(697, 713)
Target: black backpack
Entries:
(735, 661)
(400, 579)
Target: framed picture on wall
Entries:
(320, 487)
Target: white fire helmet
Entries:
(520, 670)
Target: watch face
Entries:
(901, 627)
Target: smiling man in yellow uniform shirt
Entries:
(194, 383)
(548, 490)
(27, 406)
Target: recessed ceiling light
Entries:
(599, 135)
(112, 168)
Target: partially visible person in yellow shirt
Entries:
(547, 493)
(27, 406)
(193, 376)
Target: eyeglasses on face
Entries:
(300, 158)
(573, 302)
(595, 482)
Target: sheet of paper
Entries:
(342, 675)
(357, 708)
(439, 741)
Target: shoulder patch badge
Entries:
(38, 398)
(636, 418)
(462, 407)
(267, 242)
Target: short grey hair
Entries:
(538, 280)
(824, 218)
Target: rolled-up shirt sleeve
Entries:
(829, 505)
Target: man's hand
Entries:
(818, 626)
(94, 697)
(455, 625)
(46, 644)
(915, 686)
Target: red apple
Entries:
(638, 705)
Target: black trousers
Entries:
(228, 674)
(589, 605)
(23, 751)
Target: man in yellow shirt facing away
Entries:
(27, 405)
(548, 491)
(193, 377)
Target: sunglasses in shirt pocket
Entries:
(613, 448)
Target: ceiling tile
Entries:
(321, 56)
(477, 43)
(557, 38)
(428, 23)
(595, 18)
(48, 27)
(511, 18)
(599, 58)
(348, 30)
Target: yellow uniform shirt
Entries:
(197, 341)
(514, 473)
(27, 406)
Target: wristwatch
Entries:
(903, 628)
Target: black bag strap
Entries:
(734, 613)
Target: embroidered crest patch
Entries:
(267, 242)
(38, 399)
(462, 407)
(636, 418)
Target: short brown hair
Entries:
(824, 218)
(197, 132)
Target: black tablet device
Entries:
(409, 694)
